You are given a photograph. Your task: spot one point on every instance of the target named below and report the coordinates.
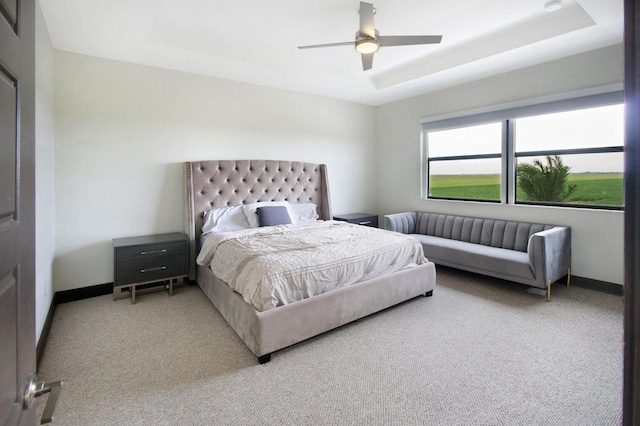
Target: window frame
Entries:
(508, 118)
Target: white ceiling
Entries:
(256, 41)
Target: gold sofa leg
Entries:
(549, 285)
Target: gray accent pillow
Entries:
(273, 215)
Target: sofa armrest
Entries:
(550, 254)
(404, 223)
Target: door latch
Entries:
(36, 389)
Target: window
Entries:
(465, 162)
(566, 153)
(586, 142)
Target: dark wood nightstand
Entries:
(359, 218)
(148, 259)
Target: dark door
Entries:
(631, 401)
(17, 205)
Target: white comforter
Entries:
(276, 265)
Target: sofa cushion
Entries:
(479, 257)
(488, 232)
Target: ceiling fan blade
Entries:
(408, 40)
(366, 20)
(367, 61)
(343, 43)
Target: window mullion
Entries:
(508, 160)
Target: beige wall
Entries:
(597, 236)
(45, 166)
(123, 130)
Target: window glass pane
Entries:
(468, 179)
(591, 179)
(482, 139)
(585, 128)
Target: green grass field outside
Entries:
(600, 189)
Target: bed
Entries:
(218, 184)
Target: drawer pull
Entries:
(368, 222)
(160, 268)
(153, 252)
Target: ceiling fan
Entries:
(368, 39)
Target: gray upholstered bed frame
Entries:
(211, 184)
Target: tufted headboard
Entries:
(221, 183)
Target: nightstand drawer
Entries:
(151, 269)
(147, 251)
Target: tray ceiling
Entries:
(256, 41)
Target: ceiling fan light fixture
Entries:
(367, 45)
(553, 5)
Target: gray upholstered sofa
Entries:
(533, 254)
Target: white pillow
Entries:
(303, 212)
(252, 216)
(224, 219)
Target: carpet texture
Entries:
(479, 352)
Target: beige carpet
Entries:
(479, 352)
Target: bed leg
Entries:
(264, 359)
(429, 293)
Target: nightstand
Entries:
(359, 218)
(148, 259)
